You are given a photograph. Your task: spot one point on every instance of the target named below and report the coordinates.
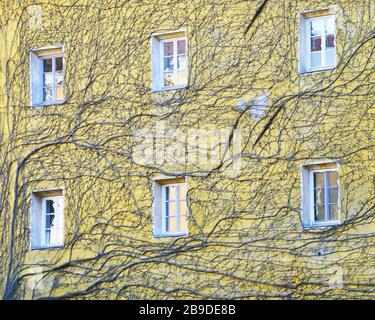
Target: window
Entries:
(169, 61)
(170, 207)
(47, 76)
(47, 219)
(318, 42)
(320, 194)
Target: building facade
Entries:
(187, 150)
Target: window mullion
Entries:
(175, 61)
(326, 196)
(53, 78)
(308, 39)
(43, 229)
(324, 21)
(163, 209)
(177, 209)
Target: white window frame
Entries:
(44, 214)
(53, 57)
(326, 222)
(36, 76)
(305, 44)
(163, 213)
(175, 56)
(157, 59)
(38, 199)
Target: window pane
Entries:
(47, 65)
(316, 60)
(330, 58)
(59, 94)
(181, 192)
(182, 207)
(333, 195)
(182, 77)
(47, 79)
(319, 180)
(48, 236)
(319, 196)
(168, 80)
(59, 78)
(168, 64)
(59, 64)
(183, 223)
(172, 193)
(172, 209)
(166, 193)
(171, 224)
(330, 41)
(332, 179)
(333, 212)
(330, 25)
(49, 221)
(168, 49)
(181, 62)
(50, 206)
(315, 27)
(319, 213)
(316, 44)
(47, 94)
(181, 46)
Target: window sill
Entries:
(50, 247)
(308, 72)
(322, 224)
(53, 103)
(170, 235)
(170, 88)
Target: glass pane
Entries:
(59, 78)
(316, 44)
(182, 77)
(47, 65)
(330, 41)
(316, 60)
(333, 195)
(49, 220)
(166, 193)
(333, 212)
(168, 64)
(50, 206)
(330, 25)
(172, 209)
(181, 46)
(47, 79)
(171, 224)
(319, 196)
(182, 207)
(168, 80)
(319, 180)
(182, 192)
(315, 27)
(168, 49)
(183, 224)
(48, 236)
(172, 192)
(330, 58)
(181, 62)
(319, 213)
(332, 179)
(59, 93)
(47, 93)
(59, 64)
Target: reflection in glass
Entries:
(316, 44)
